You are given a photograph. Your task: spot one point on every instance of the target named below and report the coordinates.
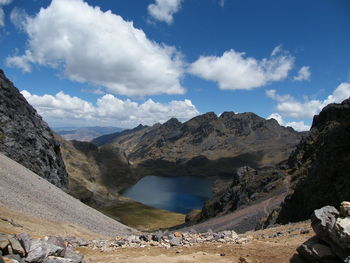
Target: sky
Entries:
(129, 62)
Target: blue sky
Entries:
(121, 63)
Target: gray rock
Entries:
(17, 247)
(323, 220)
(175, 241)
(157, 236)
(39, 250)
(344, 209)
(25, 240)
(314, 251)
(341, 232)
(70, 254)
(17, 258)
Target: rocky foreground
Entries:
(225, 246)
(331, 244)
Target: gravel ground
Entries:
(26, 192)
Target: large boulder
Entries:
(332, 241)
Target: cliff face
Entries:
(207, 145)
(321, 164)
(26, 138)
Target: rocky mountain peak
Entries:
(332, 112)
(26, 138)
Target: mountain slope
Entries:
(26, 138)
(208, 145)
(108, 138)
(95, 174)
(25, 192)
(321, 164)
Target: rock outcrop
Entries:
(207, 145)
(331, 243)
(248, 186)
(26, 138)
(22, 248)
(320, 165)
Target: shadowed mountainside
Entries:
(96, 175)
(321, 165)
(26, 138)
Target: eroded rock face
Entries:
(321, 164)
(26, 138)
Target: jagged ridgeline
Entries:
(26, 138)
(206, 145)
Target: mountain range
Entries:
(85, 133)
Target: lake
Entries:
(180, 194)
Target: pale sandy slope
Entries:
(25, 193)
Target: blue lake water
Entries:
(179, 194)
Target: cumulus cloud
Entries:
(164, 10)
(288, 106)
(99, 48)
(296, 125)
(2, 13)
(303, 74)
(234, 71)
(108, 110)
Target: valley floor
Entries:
(274, 245)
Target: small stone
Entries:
(345, 209)
(222, 254)
(175, 241)
(157, 236)
(304, 231)
(178, 234)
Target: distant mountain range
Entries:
(86, 134)
(205, 145)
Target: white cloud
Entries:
(222, 3)
(296, 125)
(19, 17)
(99, 48)
(5, 2)
(2, 13)
(2, 17)
(303, 74)
(109, 110)
(234, 71)
(164, 10)
(288, 106)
